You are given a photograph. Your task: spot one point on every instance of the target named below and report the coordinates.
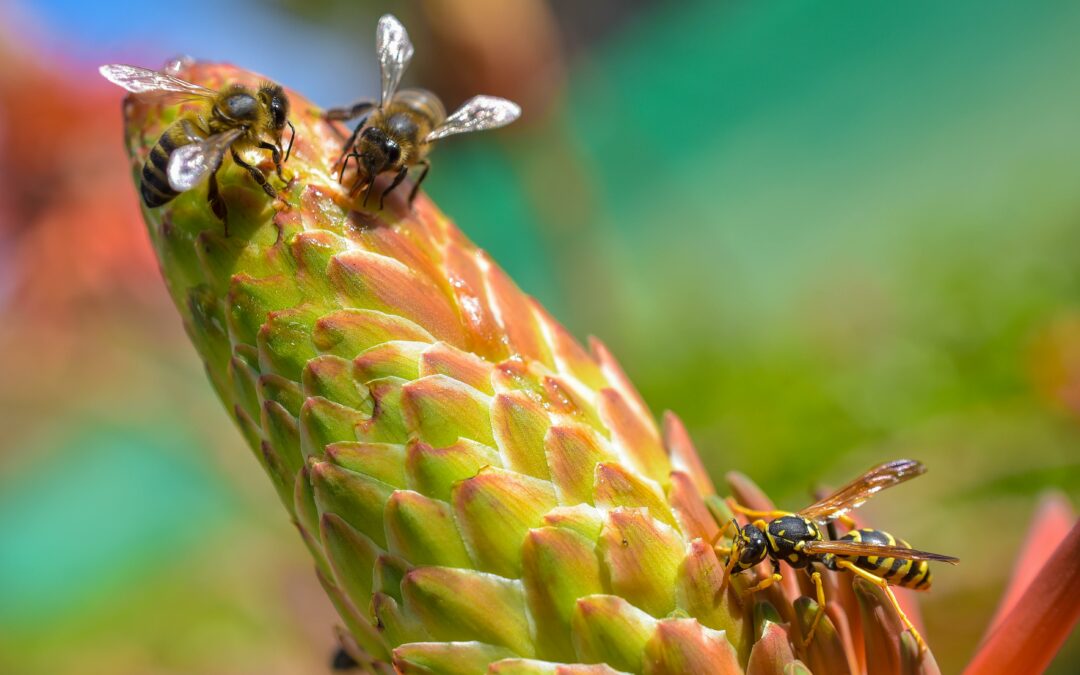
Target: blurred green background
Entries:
(827, 234)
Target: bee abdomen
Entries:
(154, 186)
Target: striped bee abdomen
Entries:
(154, 186)
(914, 574)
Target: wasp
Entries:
(797, 539)
(193, 147)
(398, 132)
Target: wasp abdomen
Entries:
(914, 574)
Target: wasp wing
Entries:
(477, 114)
(145, 81)
(859, 548)
(855, 493)
(394, 50)
(189, 164)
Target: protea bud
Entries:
(479, 492)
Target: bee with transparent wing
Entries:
(399, 131)
(194, 146)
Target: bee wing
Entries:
(143, 81)
(395, 50)
(477, 114)
(845, 547)
(189, 164)
(855, 493)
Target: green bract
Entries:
(478, 491)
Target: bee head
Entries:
(380, 152)
(273, 97)
(748, 547)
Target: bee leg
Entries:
(416, 185)
(345, 165)
(816, 578)
(352, 112)
(370, 184)
(390, 188)
(217, 204)
(259, 177)
(875, 579)
(348, 149)
(275, 153)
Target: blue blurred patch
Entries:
(101, 511)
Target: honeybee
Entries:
(399, 131)
(193, 147)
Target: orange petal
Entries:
(634, 436)
(1053, 518)
(1030, 634)
(690, 510)
(771, 653)
(371, 281)
(683, 455)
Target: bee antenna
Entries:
(292, 137)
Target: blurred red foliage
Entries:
(70, 229)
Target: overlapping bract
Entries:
(477, 490)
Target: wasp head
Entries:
(748, 547)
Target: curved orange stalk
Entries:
(1030, 634)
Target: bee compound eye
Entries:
(393, 151)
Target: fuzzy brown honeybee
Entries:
(399, 131)
(234, 119)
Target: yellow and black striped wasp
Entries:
(797, 539)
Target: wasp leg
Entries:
(348, 148)
(275, 153)
(722, 532)
(258, 175)
(875, 579)
(416, 185)
(390, 188)
(727, 573)
(751, 513)
(816, 578)
(767, 581)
